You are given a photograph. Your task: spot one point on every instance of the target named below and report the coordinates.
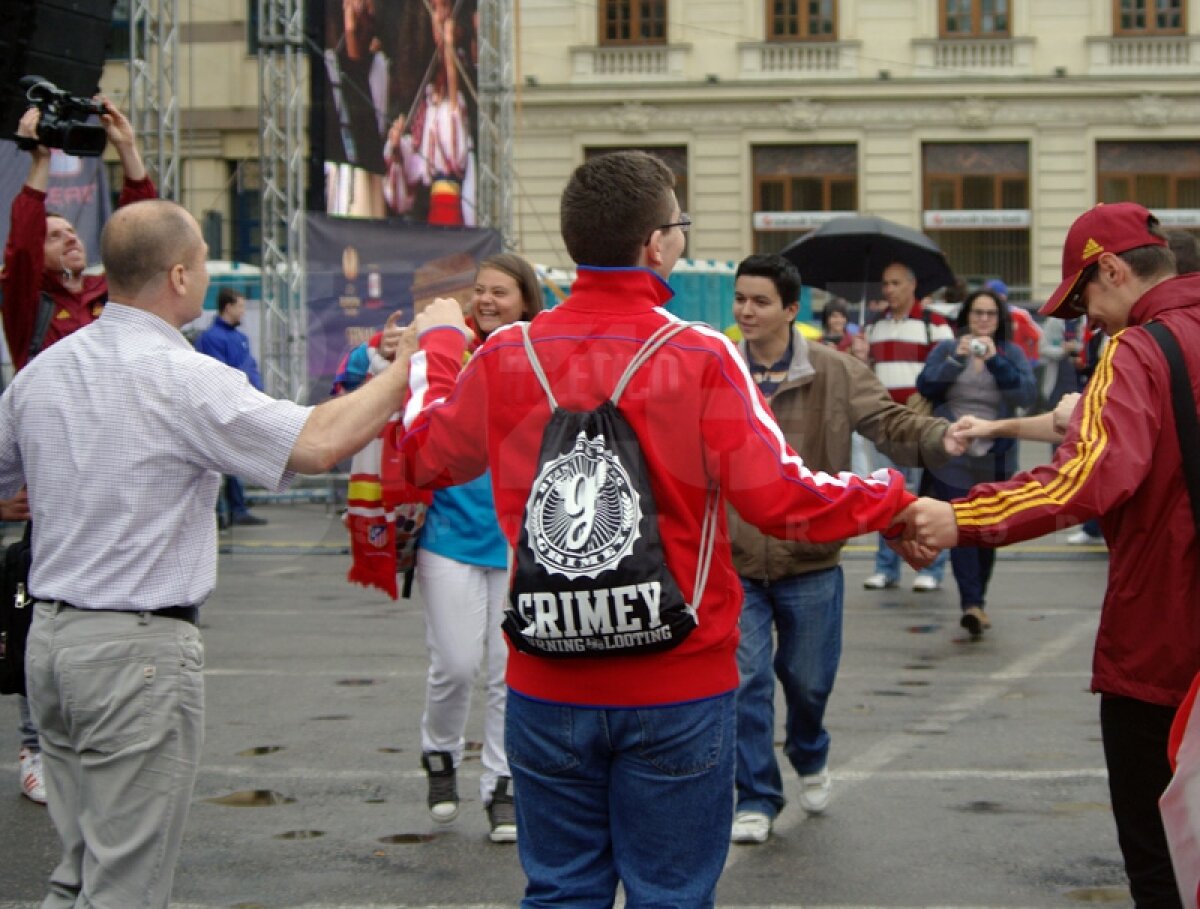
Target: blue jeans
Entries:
(639, 795)
(805, 613)
(887, 561)
(233, 498)
(27, 727)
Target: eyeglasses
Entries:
(684, 224)
(986, 313)
(1086, 277)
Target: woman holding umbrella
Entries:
(983, 374)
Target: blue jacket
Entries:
(1017, 387)
(225, 343)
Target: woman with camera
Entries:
(981, 374)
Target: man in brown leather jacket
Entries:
(819, 398)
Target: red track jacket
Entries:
(1121, 462)
(699, 418)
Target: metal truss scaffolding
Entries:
(496, 68)
(282, 63)
(153, 76)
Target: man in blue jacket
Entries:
(224, 341)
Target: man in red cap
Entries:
(1120, 462)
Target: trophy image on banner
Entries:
(349, 300)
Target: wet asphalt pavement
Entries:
(966, 774)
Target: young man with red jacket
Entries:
(1120, 462)
(623, 765)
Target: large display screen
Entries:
(395, 100)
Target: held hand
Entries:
(916, 555)
(860, 348)
(971, 427)
(1063, 410)
(953, 443)
(963, 349)
(990, 344)
(443, 311)
(931, 523)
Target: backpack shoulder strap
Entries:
(537, 366)
(661, 336)
(1183, 402)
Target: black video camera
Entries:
(63, 123)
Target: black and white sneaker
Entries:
(443, 785)
(502, 813)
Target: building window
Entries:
(976, 199)
(118, 35)
(252, 26)
(796, 186)
(801, 20)
(974, 18)
(1148, 17)
(633, 21)
(245, 208)
(1158, 175)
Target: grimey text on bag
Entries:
(590, 577)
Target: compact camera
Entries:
(63, 123)
(978, 347)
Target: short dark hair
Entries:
(782, 273)
(226, 297)
(1002, 320)
(611, 206)
(522, 272)
(1151, 261)
(143, 240)
(1187, 251)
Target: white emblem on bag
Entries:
(584, 514)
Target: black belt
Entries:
(190, 614)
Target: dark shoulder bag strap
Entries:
(1183, 402)
(44, 314)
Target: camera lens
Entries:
(979, 347)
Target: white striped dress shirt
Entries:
(121, 432)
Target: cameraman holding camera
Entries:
(46, 297)
(45, 258)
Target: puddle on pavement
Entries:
(923, 629)
(883, 692)
(388, 749)
(355, 683)
(300, 835)
(918, 667)
(252, 798)
(984, 807)
(259, 750)
(1098, 895)
(332, 716)
(913, 683)
(375, 801)
(247, 906)
(408, 839)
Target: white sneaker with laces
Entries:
(878, 581)
(814, 791)
(33, 783)
(1083, 538)
(751, 827)
(924, 583)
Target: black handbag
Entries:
(16, 612)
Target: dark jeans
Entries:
(972, 565)
(1135, 749)
(232, 501)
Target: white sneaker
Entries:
(814, 791)
(1083, 538)
(924, 583)
(750, 827)
(879, 581)
(33, 783)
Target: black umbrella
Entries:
(844, 255)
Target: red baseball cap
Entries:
(1114, 228)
